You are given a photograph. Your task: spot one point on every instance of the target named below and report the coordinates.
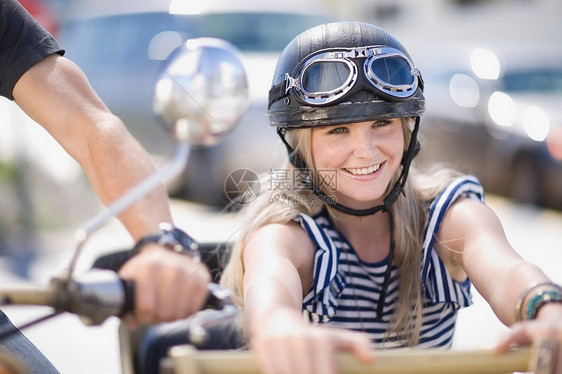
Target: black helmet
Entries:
(344, 72)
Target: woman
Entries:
(375, 253)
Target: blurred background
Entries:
(493, 86)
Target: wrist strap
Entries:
(172, 238)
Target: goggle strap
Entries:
(277, 92)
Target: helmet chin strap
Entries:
(411, 152)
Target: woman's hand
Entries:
(289, 345)
(547, 326)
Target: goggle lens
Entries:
(325, 76)
(393, 70)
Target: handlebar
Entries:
(27, 296)
(98, 294)
(93, 296)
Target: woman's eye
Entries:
(381, 123)
(338, 130)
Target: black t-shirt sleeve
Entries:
(23, 43)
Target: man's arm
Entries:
(57, 95)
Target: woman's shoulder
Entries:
(461, 200)
(465, 220)
(450, 193)
(465, 214)
(452, 215)
(287, 231)
(286, 239)
(465, 186)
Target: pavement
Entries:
(75, 348)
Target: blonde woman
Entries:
(374, 253)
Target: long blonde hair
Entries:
(281, 205)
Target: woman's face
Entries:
(359, 158)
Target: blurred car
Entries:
(496, 112)
(120, 46)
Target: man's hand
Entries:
(168, 285)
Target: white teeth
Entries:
(364, 171)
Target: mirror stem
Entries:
(172, 168)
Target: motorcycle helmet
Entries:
(344, 72)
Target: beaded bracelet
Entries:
(172, 238)
(552, 293)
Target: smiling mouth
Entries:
(364, 171)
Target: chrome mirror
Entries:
(201, 92)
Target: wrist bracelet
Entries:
(551, 293)
(172, 238)
(544, 297)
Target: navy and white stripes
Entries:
(437, 282)
(346, 289)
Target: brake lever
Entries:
(219, 308)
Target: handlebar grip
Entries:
(218, 298)
(128, 296)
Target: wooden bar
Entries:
(187, 359)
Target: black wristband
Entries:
(172, 238)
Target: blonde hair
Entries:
(278, 205)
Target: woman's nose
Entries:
(365, 144)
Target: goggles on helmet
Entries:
(334, 74)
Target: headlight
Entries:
(502, 109)
(464, 91)
(536, 123)
(485, 64)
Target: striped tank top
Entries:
(346, 289)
